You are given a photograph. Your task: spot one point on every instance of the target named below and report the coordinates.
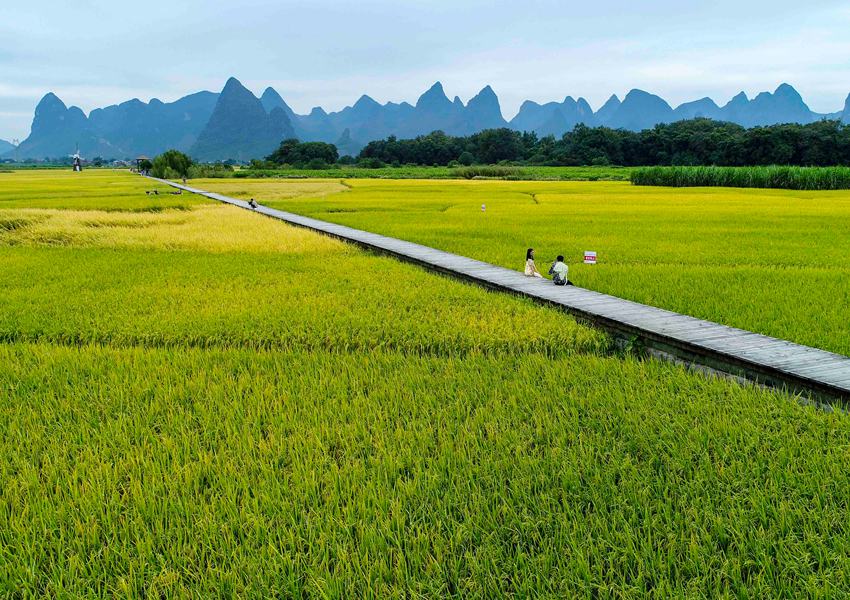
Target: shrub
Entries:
(488, 171)
(315, 164)
(371, 163)
(214, 171)
(263, 164)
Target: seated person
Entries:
(530, 267)
(559, 271)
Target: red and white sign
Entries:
(589, 257)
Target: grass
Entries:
(203, 402)
(772, 261)
(778, 177)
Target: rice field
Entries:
(199, 402)
(423, 172)
(771, 261)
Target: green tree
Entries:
(284, 152)
(304, 154)
(466, 158)
(692, 142)
(494, 145)
(171, 164)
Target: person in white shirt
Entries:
(559, 272)
(530, 267)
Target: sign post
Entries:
(589, 257)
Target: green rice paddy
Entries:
(199, 402)
(771, 261)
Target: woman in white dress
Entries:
(530, 267)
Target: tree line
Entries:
(696, 142)
(692, 142)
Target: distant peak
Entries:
(272, 100)
(233, 85)
(271, 93)
(318, 111)
(345, 138)
(584, 106)
(51, 99)
(705, 100)
(485, 106)
(434, 96)
(457, 101)
(365, 101)
(611, 106)
(786, 90)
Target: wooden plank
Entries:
(837, 368)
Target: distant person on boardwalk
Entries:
(253, 204)
(559, 272)
(530, 267)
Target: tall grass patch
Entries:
(776, 177)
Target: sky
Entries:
(93, 53)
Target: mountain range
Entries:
(6, 147)
(235, 124)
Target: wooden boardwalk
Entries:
(752, 356)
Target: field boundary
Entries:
(755, 357)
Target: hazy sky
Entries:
(93, 53)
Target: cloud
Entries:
(328, 53)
